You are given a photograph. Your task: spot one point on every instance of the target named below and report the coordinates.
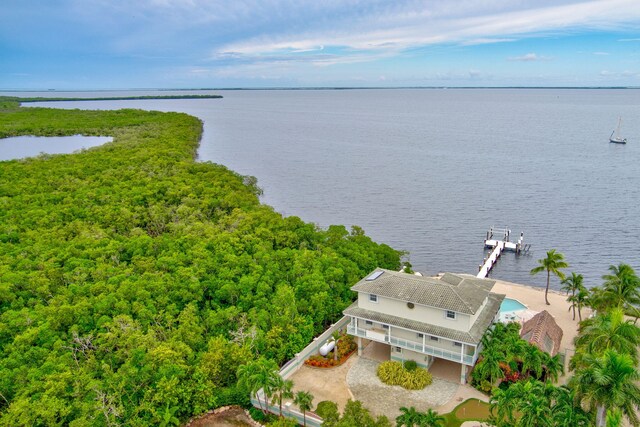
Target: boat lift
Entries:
(497, 246)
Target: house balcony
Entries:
(381, 336)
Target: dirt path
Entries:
(234, 417)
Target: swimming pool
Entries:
(509, 304)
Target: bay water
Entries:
(428, 171)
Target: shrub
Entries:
(390, 372)
(327, 410)
(257, 414)
(417, 379)
(410, 365)
(394, 373)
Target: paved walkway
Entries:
(382, 399)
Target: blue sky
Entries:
(119, 44)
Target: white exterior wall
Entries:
(409, 335)
(421, 359)
(420, 313)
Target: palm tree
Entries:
(609, 331)
(247, 379)
(552, 367)
(565, 413)
(531, 359)
(304, 400)
(431, 419)
(622, 289)
(282, 389)
(571, 285)
(257, 375)
(336, 337)
(409, 417)
(489, 367)
(614, 418)
(503, 405)
(551, 264)
(532, 401)
(606, 382)
(579, 300)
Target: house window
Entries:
(373, 298)
(385, 326)
(457, 344)
(368, 322)
(451, 314)
(433, 338)
(398, 350)
(420, 335)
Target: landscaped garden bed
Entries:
(407, 374)
(345, 348)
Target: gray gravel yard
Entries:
(382, 399)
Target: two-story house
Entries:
(422, 318)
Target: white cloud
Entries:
(439, 21)
(601, 53)
(530, 57)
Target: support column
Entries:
(463, 374)
(359, 346)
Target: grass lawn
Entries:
(469, 410)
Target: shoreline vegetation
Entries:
(112, 98)
(135, 281)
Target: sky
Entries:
(127, 44)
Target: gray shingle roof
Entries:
(473, 337)
(456, 292)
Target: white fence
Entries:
(291, 367)
(294, 364)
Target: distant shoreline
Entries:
(118, 98)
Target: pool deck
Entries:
(533, 298)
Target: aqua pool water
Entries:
(511, 305)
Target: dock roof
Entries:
(455, 292)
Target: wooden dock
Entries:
(497, 247)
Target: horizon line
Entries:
(316, 88)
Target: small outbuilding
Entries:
(543, 332)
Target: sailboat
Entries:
(615, 135)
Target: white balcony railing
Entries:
(413, 345)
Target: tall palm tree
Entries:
(282, 389)
(489, 367)
(580, 299)
(531, 359)
(247, 378)
(621, 288)
(565, 413)
(336, 338)
(258, 375)
(532, 401)
(552, 367)
(409, 417)
(503, 405)
(304, 400)
(609, 331)
(431, 419)
(608, 381)
(551, 264)
(571, 285)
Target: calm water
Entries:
(429, 171)
(29, 146)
